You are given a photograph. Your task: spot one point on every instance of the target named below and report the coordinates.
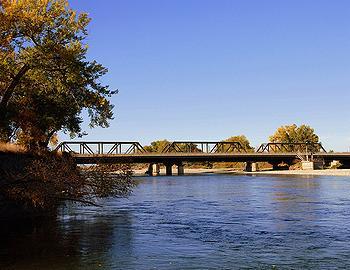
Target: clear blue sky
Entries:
(208, 70)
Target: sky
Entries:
(209, 70)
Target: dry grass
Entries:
(12, 148)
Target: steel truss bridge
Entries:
(199, 147)
(101, 148)
(291, 148)
(177, 152)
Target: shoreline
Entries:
(191, 171)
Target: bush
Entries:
(47, 179)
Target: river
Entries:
(195, 222)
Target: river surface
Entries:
(196, 222)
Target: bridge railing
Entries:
(100, 148)
(203, 147)
(298, 147)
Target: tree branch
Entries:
(11, 88)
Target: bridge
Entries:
(178, 152)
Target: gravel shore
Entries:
(327, 172)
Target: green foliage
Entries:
(243, 140)
(45, 79)
(335, 165)
(293, 133)
(46, 82)
(237, 165)
(157, 146)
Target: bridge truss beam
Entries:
(298, 147)
(204, 147)
(101, 148)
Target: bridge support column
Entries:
(150, 169)
(307, 165)
(155, 169)
(180, 169)
(168, 169)
(251, 167)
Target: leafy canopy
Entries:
(243, 140)
(157, 146)
(293, 133)
(45, 79)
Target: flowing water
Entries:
(196, 222)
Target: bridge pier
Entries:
(149, 170)
(153, 169)
(307, 165)
(169, 169)
(180, 169)
(251, 167)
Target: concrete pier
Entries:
(312, 165)
(150, 169)
(251, 167)
(155, 169)
(169, 169)
(307, 165)
(180, 169)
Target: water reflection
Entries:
(197, 222)
(74, 241)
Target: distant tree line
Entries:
(284, 134)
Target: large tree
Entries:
(293, 133)
(45, 79)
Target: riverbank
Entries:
(326, 172)
(189, 171)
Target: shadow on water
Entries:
(68, 242)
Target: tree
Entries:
(46, 82)
(293, 133)
(242, 139)
(45, 180)
(45, 79)
(157, 146)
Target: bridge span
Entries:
(176, 153)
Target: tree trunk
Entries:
(4, 129)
